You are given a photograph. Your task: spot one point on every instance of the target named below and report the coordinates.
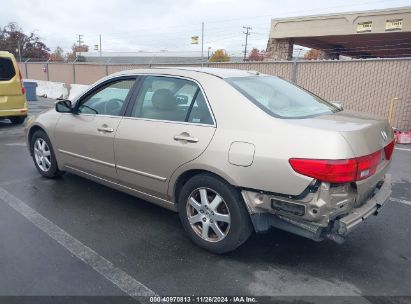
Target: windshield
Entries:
(280, 98)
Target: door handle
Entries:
(185, 137)
(105, 129)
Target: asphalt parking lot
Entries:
(120, 239)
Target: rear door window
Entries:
(7, 71)
(172, 99)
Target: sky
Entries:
(154, 25)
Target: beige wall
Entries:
(35, 71)
(338, 24)
(361, 85)
(89, 73)
(366, 86)
(61, 72)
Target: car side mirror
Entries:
(64, 106)
(338, 104)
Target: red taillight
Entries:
(23, 89)
(388, 150)
(333, 171)
(341, 170)
(367, 165)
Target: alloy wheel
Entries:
(208, 214)
(42, 154)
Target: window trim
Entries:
(101, 86)
(138, 90)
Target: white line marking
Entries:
(398, 200)
(18, 180)
(118, 277)
(402, 149)
(16, 144)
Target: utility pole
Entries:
(202, 43)
(246, 33)
(80, 39)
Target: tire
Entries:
(231, 215)
(48, 168)
(17, 120)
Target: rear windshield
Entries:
(280, 98)
(7, 71)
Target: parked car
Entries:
(13, 103)
(231, 151)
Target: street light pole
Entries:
(100, 45)
(202, 43)
(18, 46)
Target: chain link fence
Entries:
(361, 85)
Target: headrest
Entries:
(163, 99)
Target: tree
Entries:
(313, 54)
(57, 55)
(13, 39)
(77, 49)
(255, 55)
(220, 56)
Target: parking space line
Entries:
(16, 144)
(403, 149)
(401, 201)
(18, 180)
(118, 277)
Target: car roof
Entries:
(218, 72)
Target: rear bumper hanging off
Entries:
(348, 223)
(336, 229)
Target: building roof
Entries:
(365, 34)
(163, 57)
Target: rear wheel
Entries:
(43, 155)
(213, 214)
(17, 120)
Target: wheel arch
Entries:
(184, 176)
(33, 129)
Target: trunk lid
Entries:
(365, 134)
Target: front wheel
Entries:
(213, 214)
(43, 155)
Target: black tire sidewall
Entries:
(240, 226)
(53, 171)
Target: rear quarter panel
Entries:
(275, 141)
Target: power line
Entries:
(216, 21)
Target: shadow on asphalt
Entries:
(5, 123)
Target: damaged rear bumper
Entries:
(337, 228)
(348, 223)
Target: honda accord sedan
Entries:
(231, 151)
